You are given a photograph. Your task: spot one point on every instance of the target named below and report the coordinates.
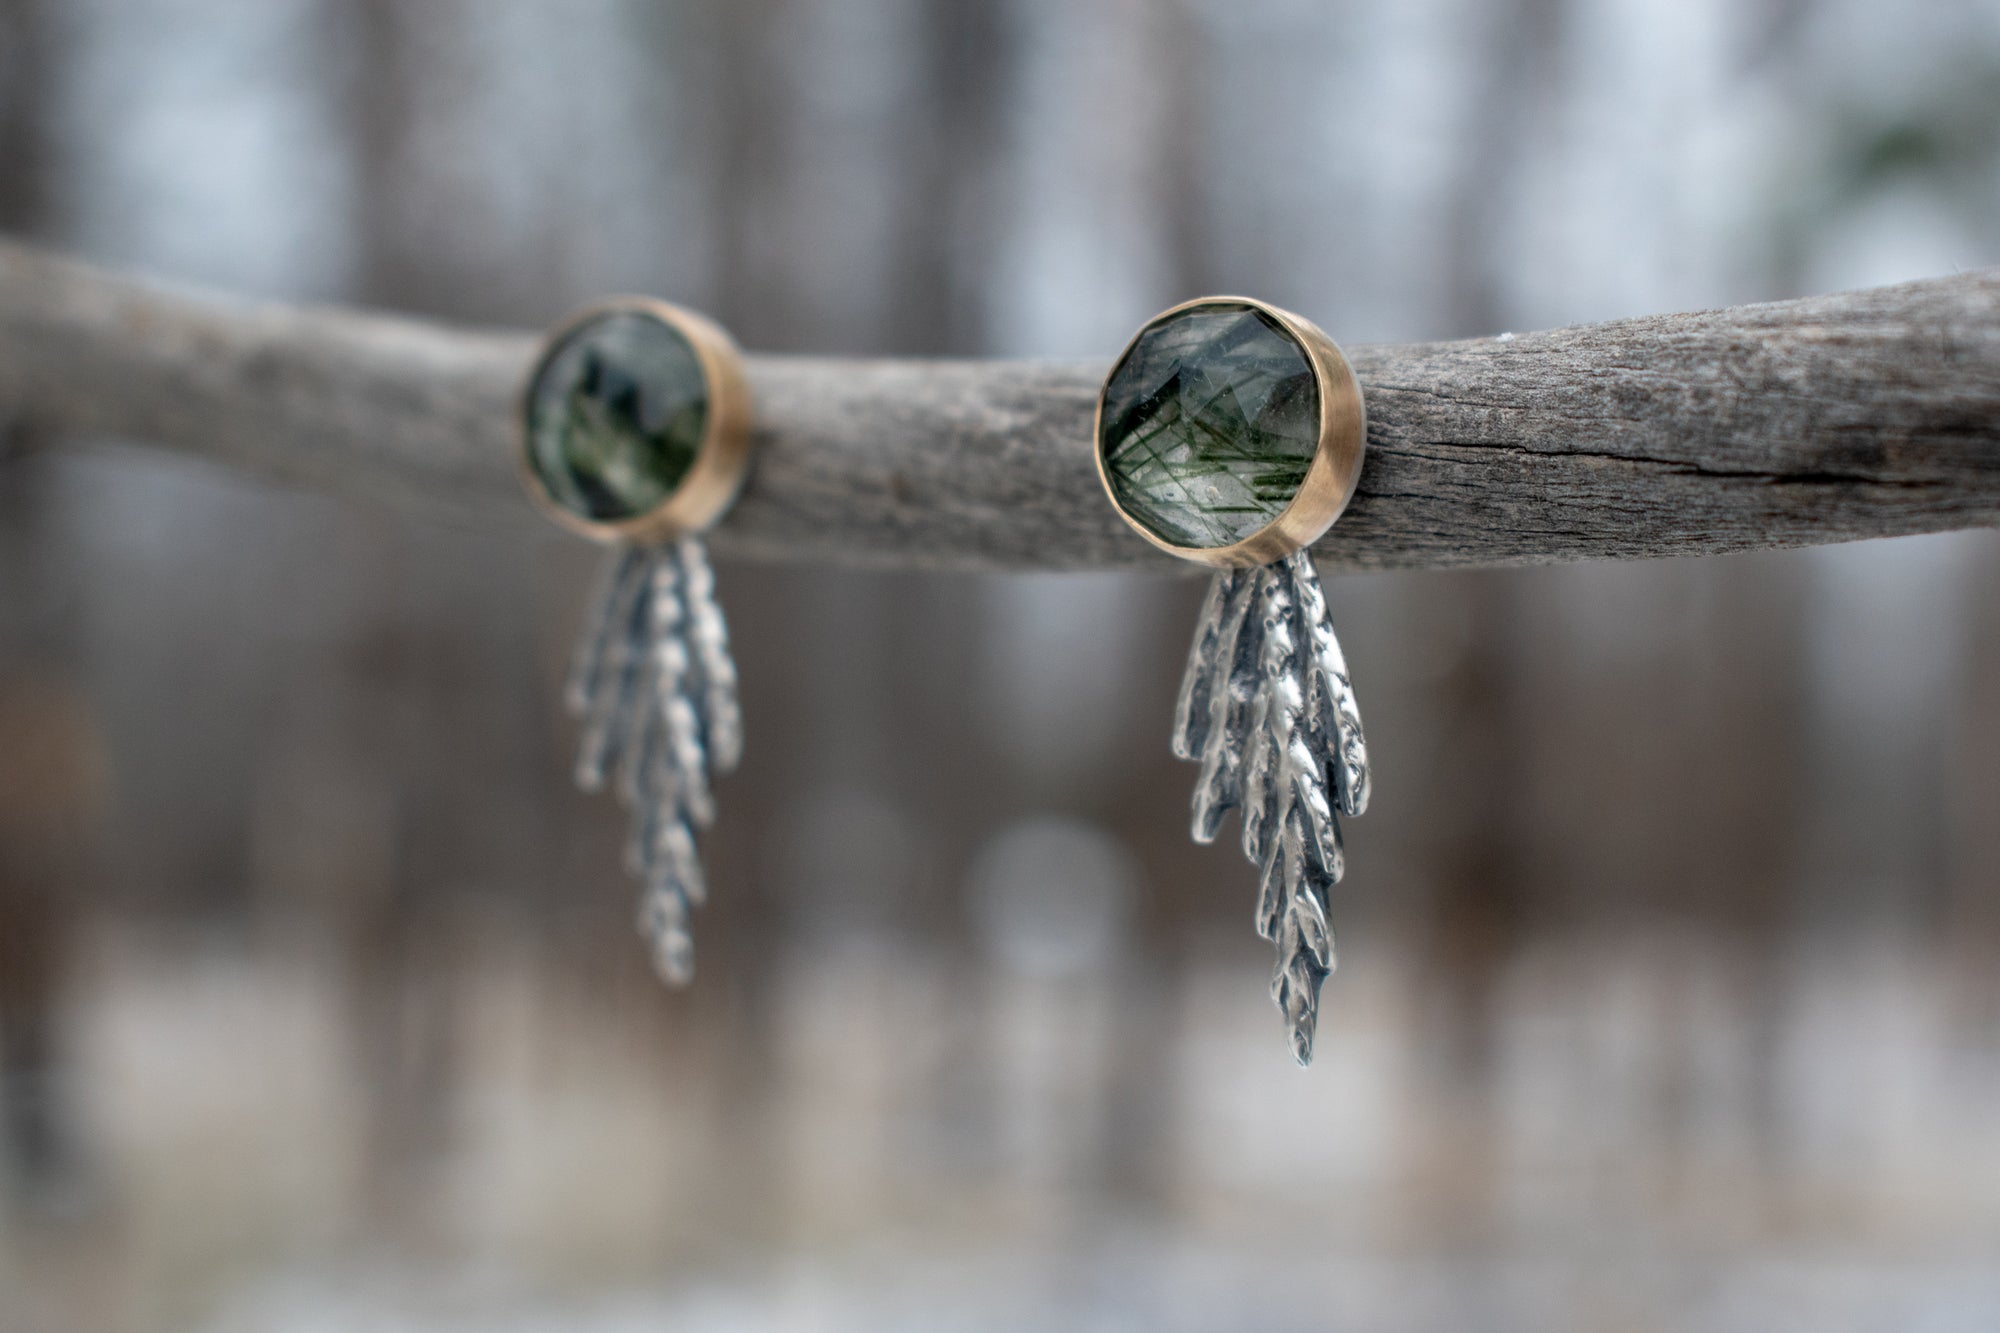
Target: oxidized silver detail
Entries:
(655, 685)
(1267, 709)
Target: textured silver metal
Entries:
(655, 685)
(1267, 709)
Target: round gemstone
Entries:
(1209, 424)
(615, 415)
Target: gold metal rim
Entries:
(1330, 478)
(721, 461)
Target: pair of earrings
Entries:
(1229, 433)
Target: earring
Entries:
(1230, 433)
(636, 434)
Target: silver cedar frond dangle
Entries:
(654, 684)
(636, 433)
(1230, 433)
(1267, 710)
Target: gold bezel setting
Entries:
(1330, 477)
(722, 459)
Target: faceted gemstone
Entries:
(1210, 424)
(615, 415)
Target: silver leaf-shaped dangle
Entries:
(1267, 709)
(653, 682)
(635, 432)
(1231, 433)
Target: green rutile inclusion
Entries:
(1209, 425)
(615, 415)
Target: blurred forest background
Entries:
(1668, 996)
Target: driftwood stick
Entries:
(1861, 415)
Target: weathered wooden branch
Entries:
(1860, 415)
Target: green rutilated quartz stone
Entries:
(1209, 425)
(615, 416)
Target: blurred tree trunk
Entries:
(53, 784)
(1970, 923)
(939, 305)
(437, 673)
(26, 48)
(1479, 862)
(1754, 806)
(53, 772)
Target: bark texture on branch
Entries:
(1866, 414)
